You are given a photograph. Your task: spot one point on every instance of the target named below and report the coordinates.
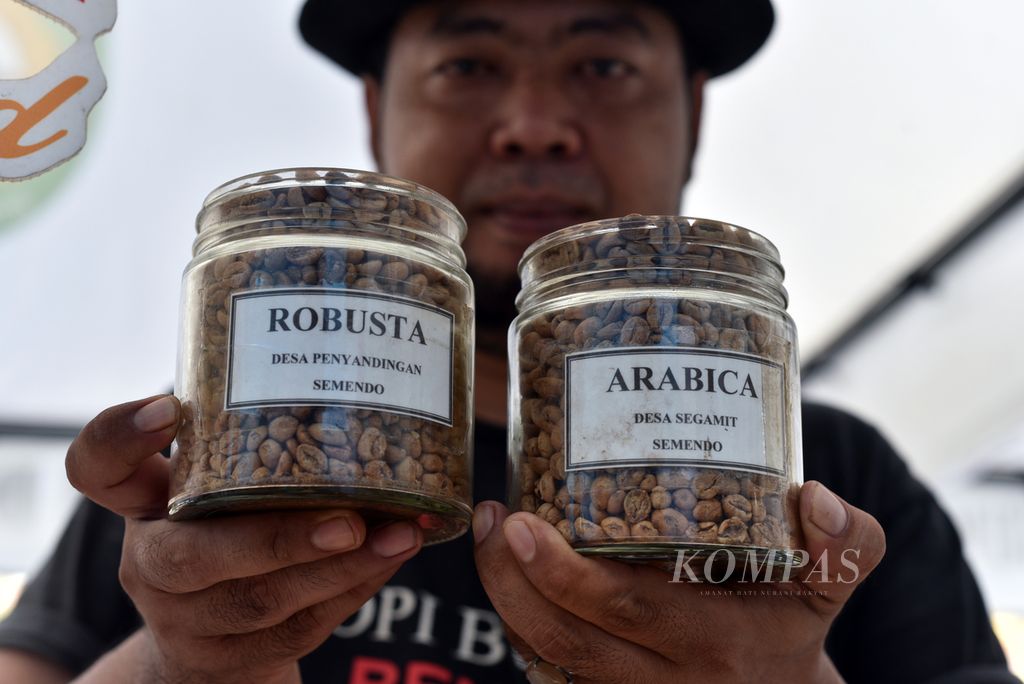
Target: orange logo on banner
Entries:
(26, 118)
(44, 116)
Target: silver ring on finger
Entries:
(540, 671)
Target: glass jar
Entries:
(654, 393)
(325, 353)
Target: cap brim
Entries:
(720, 35)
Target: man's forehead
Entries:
(555, 21)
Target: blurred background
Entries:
(878, 144)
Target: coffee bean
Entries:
(636, 505)
(588, 531)
(601, 490)
(732, 531)
(311, 459)
(737, 506)
(283, 427)
(669, 522)
(644, 529)
(705, 532)
(372, 445)
(660, 498)
(708, 511)
(328, 434)
(615, 502)
(615, 528)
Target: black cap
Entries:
(719, 34)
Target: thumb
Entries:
(115, 462)
(844, 544)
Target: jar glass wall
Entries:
(654, 391)
(325, 354)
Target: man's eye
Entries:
(466, 67)
(606, 68)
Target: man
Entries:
(530, 115)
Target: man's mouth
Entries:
(530, 219)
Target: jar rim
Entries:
(337, 177)
(553, 263)
(758, 242)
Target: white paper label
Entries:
(648, 406)
(317, 346)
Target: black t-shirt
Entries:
(918, 618)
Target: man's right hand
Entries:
(238, 598)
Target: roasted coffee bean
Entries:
(557, 465)
(615, 502)
(733, 531)
(705, 532)
(708, 511)
(615, 528)
(283, 427)
(270, 453)
(549, 513)
(636, 505)
(707, 484)
(328, 434)
(563, 500)
(670, 522)
(629, 478)
(255, 437)
(284, 465)
(757, 510)
(601, 490)
(737, 506)
(310, 458)
(660, 498)
(684, 500)
(635, 331)
(377, 470)
(409, 470)
(372, 445)
(546, 487)
(588, 531)
(432, 463)
(345, 471)
(644, 529)
(672, 478)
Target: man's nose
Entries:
(536, 122)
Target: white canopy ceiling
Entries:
(857, 140)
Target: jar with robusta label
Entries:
(325, 354)
(654, 396)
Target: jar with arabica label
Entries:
(325, 356)
(654, 396)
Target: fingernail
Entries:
(828, 512)
(520, 538)
(335, 534)
(483, 521)
(394, 539)
(157, 415)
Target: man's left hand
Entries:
(607, 621)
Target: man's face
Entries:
(531, 115)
